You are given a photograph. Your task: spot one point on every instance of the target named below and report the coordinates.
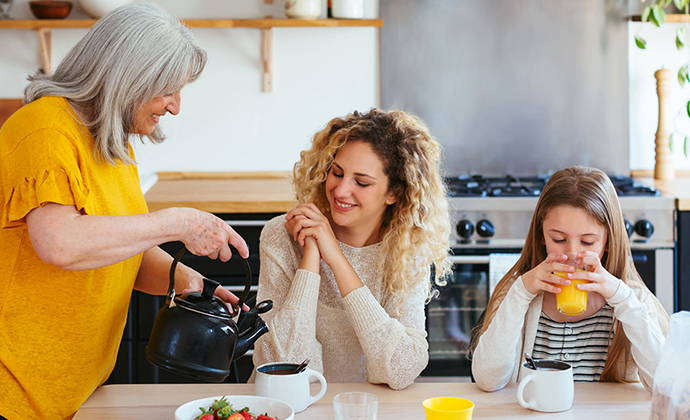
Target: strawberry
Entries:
(205, 415)
(265, 417)
(236, 416)
(246, 414)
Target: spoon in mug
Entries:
(302, 366)
(530, 361)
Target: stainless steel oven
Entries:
(489, 233)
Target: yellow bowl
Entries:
(448, 408)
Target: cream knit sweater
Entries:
(365, 336)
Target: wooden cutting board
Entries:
(8, 107)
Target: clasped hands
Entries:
(312, 230)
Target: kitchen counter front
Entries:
(223, 192)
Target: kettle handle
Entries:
(243, 296)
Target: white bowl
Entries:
(99, 8)
(257, 405)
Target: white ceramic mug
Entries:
(291, 388)
(303, 9)
(550, 388)
(347, 9)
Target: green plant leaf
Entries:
(664, 3)
(682, 75)
(652, 19)
(688, 108)
(641, 43)
(645, 14)
(679, 4)
(685, 146)
(670, 142)
(680, 37)
(658, 16)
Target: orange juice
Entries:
(571, 300)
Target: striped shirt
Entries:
(582, 344)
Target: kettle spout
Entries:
(248, 337)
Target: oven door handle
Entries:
(469, 259)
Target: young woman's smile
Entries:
(357, 188)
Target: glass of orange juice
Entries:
(571, 300)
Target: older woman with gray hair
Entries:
(75, 232)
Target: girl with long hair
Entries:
(348, 269)
(620, 336)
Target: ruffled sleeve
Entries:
(43, 168)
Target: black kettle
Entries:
(195, 334)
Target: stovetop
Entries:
(496, 211)
(511, 186)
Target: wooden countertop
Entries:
(271, 192)
(678, 188)
(592, 401)
(223, 192)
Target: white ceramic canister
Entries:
(303, 9)
(347, 9)
(99, 8)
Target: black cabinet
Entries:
(683, 253)
(132, 366)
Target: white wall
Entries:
(227, 123)
(660, 53)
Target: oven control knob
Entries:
(485, 228)
(629, 227)
(465, 229)
(644, 228)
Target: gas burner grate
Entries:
(508, 186)
(531, 186)
(626, 186)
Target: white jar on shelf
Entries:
(99, 8)
(303, 9)
(347, 9)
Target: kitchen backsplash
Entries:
(512, 86)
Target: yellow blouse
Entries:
(59, 330)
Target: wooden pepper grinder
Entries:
(663, 166)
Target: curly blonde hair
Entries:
(416, 228)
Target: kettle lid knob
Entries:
(210, 287)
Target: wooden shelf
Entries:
(200, 23)
(44, 28)
(670, 18)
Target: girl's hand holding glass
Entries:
(541, 277)
(601, 281)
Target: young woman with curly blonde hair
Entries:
(620, 335)
(348, 269)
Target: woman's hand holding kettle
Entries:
(207, 235)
